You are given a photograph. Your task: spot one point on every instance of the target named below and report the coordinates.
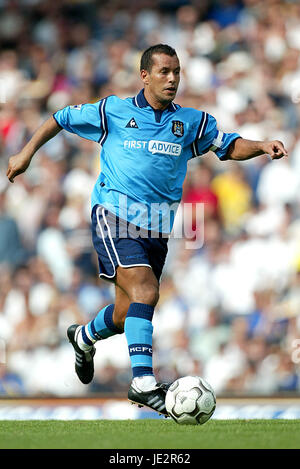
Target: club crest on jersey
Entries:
(178, 128)
(132, 124)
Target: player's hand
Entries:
(17, 164)
(274, 149)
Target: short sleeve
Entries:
(210, 138)
(82, 119)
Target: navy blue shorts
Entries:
(118, 243)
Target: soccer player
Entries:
(146, 143)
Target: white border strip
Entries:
(217, 142)
(195, 152)
(103, 121)
(88, 334)
(199, 134)
(107, 250)
(202, 126)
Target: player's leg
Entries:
(107, 322)
(139, 283)
(142, 289)
(101, 327)
(122, 303)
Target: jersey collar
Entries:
(140, 101)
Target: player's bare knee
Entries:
(145, 293)
(140, 285)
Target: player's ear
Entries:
(145, 76)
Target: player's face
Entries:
(162, 81)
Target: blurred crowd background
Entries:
(228, 310)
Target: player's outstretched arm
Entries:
(18, 163)
(242, 149)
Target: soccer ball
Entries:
(190, 401)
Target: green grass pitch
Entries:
(149, 434)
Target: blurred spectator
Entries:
(234, 195)
(11, 250)
(199, 191)
(11, 384)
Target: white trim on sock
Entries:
(80, 342)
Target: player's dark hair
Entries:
(146, 59)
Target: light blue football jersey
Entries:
(144, 154)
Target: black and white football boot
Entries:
(84, 361)
(154, 399)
